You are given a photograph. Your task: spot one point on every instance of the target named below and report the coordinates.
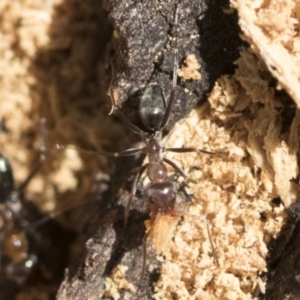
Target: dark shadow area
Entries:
(220, 41)
(284, 260)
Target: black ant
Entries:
(13, 223)
(13, 239)
(23, 243)
(155, 113)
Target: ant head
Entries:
(152, 107)
(6, 179)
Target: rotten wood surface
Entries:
(140, 52)
(92, 43)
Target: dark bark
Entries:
(140, 53)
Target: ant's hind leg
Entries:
(178, 170)
(192, 149)
(145, 252)
(124, 153)
(133, 191)
(212, 245)
(203, 219)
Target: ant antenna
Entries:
(174, 80)
(42, 156)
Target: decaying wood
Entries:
(272, 30)
(134, 65)
(58, 61)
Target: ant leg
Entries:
(174, 81)
(127, 122)
(212, 245)
(41, 160)
(144, 243)
(208, 232)
(145, 252)
(127, 152)
(7, 184)
(178, 170)
(185, 150)
(133, 191)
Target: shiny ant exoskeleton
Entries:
(155, 113)
(15, 256)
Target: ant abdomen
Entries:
(161, 197)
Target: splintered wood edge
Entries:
(279, 50)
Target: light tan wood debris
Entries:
(116, 282)
(272, 29)
(190, 68)
(234, 191)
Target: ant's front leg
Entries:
(133, 190)
(127, 152)
(192, 149)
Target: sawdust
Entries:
(190, 69)
(234, 192)
(116, 282)
(272, 29)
